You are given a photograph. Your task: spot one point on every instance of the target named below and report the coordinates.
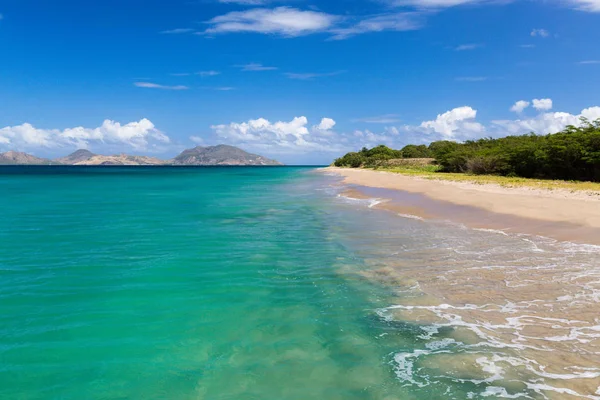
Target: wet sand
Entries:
(524, 319)
(513, 314)
(558, 214)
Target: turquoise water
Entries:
(221, 283)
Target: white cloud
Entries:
(519, 106)
(139, 135)
(150, 85)
(589, 62)
(177, 31)
(256, 129)
(540, 33)
(591, 114)
(256, 67)
(587, 5)
(293, 22)
(542, 104)
(544, 123)
(527, 46)
(454, 122)
(282, 137)
(326, 124)
(295, 136)
(407, 21)
(285, 21)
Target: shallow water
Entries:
(223, 283)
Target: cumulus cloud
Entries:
(282, 137)
(326, 124)
(542, 104)
(150, 85)
(284, 21)
(540, 33)
(519, 106)
(544, 123)
(456, 121)
(141, 135)
(295, 136)
(591, 113)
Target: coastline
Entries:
(559, 214)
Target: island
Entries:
(198, 156)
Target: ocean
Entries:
(272, 283)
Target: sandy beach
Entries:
(558, 213)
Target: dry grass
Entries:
(432, 172)
(403, 162)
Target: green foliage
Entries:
(352, 160)
(367, 157)
(572, 154)
(414, 151)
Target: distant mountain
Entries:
(212, 155)
(122, 159)
(18, 158)
(220, 155)
(76, 157)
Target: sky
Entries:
(301, 81)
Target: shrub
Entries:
(572, 154)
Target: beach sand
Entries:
(559, 214)
(535, 307)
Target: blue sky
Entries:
(301, 81)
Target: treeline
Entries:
(377, 155)
(572, 154)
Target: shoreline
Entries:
(558, 214)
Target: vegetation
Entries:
(377, 155)
(572, 154)
(433, 172)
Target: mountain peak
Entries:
(20, 158)
(76, 157)
(221, 154)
